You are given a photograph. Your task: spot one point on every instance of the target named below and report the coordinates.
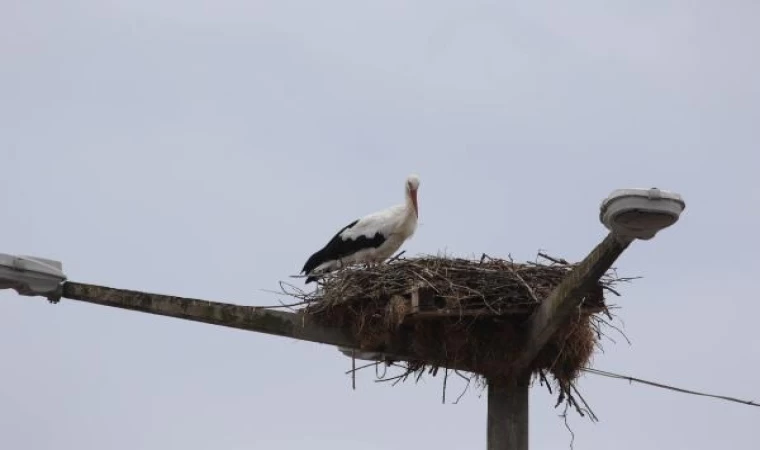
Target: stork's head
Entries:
(412, 184)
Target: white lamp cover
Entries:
(30, 276)
(640, 213)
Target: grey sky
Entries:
(207, 149)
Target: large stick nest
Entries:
(471, 314)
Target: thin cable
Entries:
(664, 386)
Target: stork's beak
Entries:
(413, 193)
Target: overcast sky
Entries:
(206, 149)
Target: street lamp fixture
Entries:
(640, 213)
(32, 276)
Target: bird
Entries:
(370, 239)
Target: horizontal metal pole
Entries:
(279, 323)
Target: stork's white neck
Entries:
(411, 202)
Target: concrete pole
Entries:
(508, 413)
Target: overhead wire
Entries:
(607, 374)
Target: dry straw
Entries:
(469, 314)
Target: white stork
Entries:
(371, 239)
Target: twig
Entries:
(614, 328)
(395, 258)
(385, 371)
(542, 376)
(611, 290)
(567, 425)
(554, 260)
(445, 378)
(465, 388)
(353, 369)
(404, 375)
(527, 286)
(483, 257)
(585, 404)
(356, 369)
